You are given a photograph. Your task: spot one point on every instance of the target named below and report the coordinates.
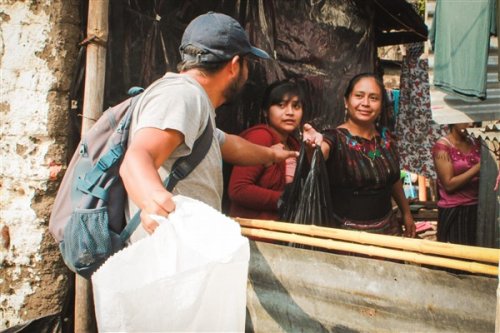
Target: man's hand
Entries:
(280, 154)
(239, 151)
(158, 203)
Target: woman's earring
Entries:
(346, 115)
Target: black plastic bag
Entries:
(307, 199)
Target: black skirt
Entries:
(457, 225)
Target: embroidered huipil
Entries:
(361, 174)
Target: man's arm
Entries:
(238, 151)
(139, 171)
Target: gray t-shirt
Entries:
(177, 101)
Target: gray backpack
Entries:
(88, 215)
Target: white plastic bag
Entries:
(190, 275)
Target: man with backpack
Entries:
(173, 112)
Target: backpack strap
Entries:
(114, 155)
(180, 170)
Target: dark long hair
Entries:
(384, 114)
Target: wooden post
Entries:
(97, 35)
(95, 72)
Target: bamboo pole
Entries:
(417, 245)
(371, 250)
(97, 35)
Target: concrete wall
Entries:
(38, 45)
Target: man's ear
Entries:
(235, 65)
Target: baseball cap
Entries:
(220, 37)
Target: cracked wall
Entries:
(38, 45)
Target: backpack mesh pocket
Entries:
(87, 240)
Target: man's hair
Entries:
(205, 67)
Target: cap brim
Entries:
(259, 53)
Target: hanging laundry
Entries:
(415, 130)
(395, 99)
(460, 36)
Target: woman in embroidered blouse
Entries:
(457, 162)
(254, 190)
(362, 162)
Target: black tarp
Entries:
(323, 43)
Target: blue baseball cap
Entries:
(220, 37)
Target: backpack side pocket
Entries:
(87, 240)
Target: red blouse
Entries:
(254, 190)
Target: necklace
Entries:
(368, 148)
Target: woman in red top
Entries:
(254, 190)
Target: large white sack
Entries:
(190, 275)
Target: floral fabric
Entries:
(415, 130)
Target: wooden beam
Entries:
(396, 38)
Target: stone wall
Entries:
(38, 45)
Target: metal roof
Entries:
(490, 132)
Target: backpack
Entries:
(88, 216)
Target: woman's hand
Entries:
(312, 137)
(410, 228)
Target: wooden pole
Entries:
(95, 72)
(409, 244)
(371, 250)
(97, 36)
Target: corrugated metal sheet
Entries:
(448, 109)
(295, 290)
(489, 132)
